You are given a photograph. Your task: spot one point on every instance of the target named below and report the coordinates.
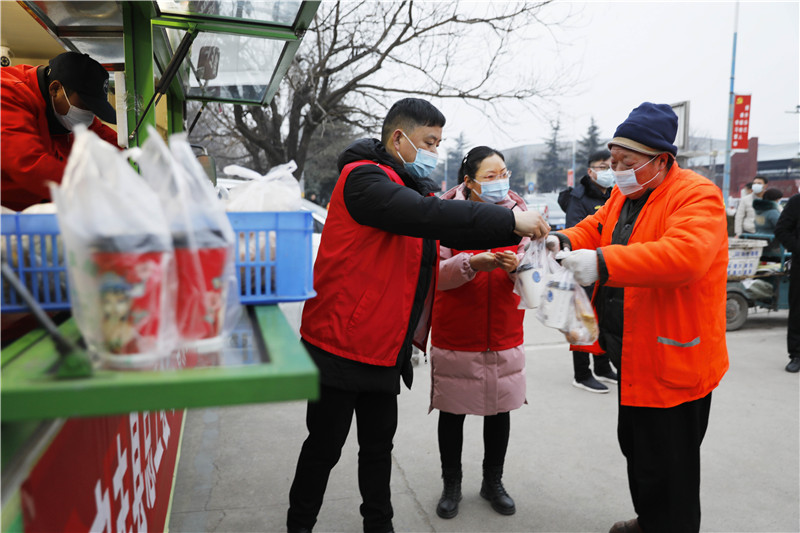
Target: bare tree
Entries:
(357, 57)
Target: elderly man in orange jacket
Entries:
(41, 106)
(658, 252)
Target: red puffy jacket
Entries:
(32, 157)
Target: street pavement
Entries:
(563, 467)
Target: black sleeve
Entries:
(576, 212)
(788, 225)
(372, 199)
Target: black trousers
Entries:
(580, 362)
(793, 332)
(662, 447)
(328, 420)
(496, 429)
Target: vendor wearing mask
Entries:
(658, 253)
(41, 107)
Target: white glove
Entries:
(582, 263)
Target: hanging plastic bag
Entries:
(207, 302)
(119, 253)
(531, 275)
(565, 306)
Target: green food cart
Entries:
(100, 452)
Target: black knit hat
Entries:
(82, 74)
(649, 129)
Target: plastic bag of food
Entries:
(566, 307)
(207, 301)
(531, 275)
(120, 258)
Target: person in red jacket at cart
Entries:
(40, 107)
(477, 355)
(375, 275)
(658, 253)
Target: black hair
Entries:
(407, 114)
(473, 159)
(761, 178)
(772, 194)
(749, 185)
(600, 155)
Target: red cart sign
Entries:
(741, 122)
(110, 473)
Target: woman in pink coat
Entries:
(477, 358)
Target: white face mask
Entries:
(757, 188)
(605, 178)
(74, 116)
(626, 179)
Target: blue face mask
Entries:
(423, 164)
(494, 191)
(605, 178)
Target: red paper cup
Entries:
(131, 272)
(200, 309)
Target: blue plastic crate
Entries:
(264, 276)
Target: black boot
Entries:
(492, 489)
(451, 494)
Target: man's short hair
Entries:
(773, 194)
(600, 155)
(409, 113)
(762, 178)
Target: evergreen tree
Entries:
(552, 175)
(586, 147)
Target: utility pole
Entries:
(726, 176)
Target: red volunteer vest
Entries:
(479, 316)
(365, 280)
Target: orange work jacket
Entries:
(674, 271)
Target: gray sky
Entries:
(665, 52)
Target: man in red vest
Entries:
(374, 276)
(41, 106)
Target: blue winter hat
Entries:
(649, 129)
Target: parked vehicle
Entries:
(549, 208)
(765, 285)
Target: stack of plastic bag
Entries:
(120, 258)
(150, 258)
(207, 294)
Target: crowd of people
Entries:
(646, 238)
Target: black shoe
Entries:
(451, 494)
(608, 377)
(794, 364)
(590, 384)
(492, 489)
(298, 530)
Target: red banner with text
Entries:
(741, 122)
(110, 473)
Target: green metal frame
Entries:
(29, 392)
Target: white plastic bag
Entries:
(278, 190)
(207, 302)
(565, 306)
(119, 253)
(531, 275)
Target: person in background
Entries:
(477, 355)
(41, 106)
(745, 219)
(658, 252)
(787, 232)
(767, 211)
(585, 199)
(375, 275)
